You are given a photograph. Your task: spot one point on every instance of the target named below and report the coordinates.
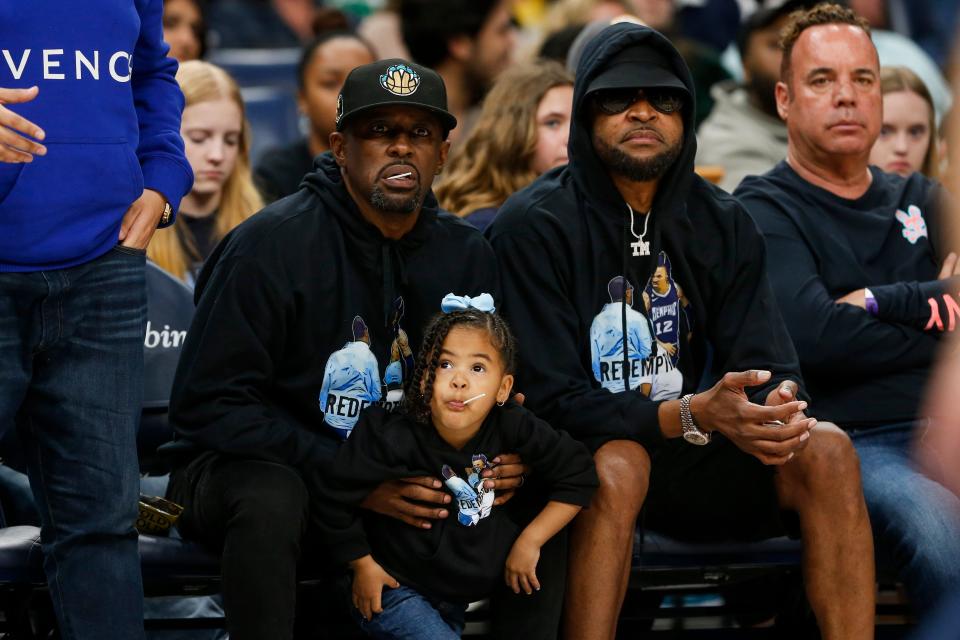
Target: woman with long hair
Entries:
(216, 136)
(522, 132)
(908, 138)
(324, 65)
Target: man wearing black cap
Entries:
(298, 311)
(739, 461)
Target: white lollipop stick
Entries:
(400, 175)
(474, 398)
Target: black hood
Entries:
(592, 178)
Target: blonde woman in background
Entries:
(908, 137)
(216, 136)
(522, 132)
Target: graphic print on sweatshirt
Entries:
(914, 226)
(401, 358)
(606, 339)
(351, 381)
(474, 502)
(666, 307)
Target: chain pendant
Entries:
(640, 248)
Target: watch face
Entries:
(695, 437)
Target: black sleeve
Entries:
(558, 387)
(560, 463)
(364, 460)
(932, 305)
(746, 329)
(831, 338)
(928, 306)
(228, 364)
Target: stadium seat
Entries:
(273, 118)
(276, 68)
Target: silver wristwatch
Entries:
(691, 433)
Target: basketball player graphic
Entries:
(401, 359)
(474, 502)
(606, 340)
(666, 307)
(351, 381)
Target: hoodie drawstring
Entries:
(389, 288)
(623, 310)
(393, 266)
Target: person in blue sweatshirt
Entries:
(93, 80)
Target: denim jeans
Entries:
(916, 521)
(71, 380)
(408, 615)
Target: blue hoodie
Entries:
(110, 106)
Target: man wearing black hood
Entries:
(298, 312)
(629, 205)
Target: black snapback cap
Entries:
(393, 82)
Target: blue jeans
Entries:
(71, 380)
(916, 521)
(408, 615)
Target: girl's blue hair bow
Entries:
(482, 302)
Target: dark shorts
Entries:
(714, 493)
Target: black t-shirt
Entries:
(203, 232)
(861, 369)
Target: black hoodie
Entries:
(563, 246)
(306, 314)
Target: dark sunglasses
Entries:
(614, 101)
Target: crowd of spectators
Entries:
(776, 278)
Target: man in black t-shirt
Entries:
(864, 283)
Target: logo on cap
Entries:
(339, 109)
(400, 80)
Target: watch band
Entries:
(167, 214)
(691, 432)
(870, 303)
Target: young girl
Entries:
(908, 138)
(416, 583)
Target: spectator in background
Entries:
(556, 46)
(703, 62)
(897, 49)
(522, 132)
(184, 29)
(908, 139)
(260, 24)
(468, 42)
(744, 134)
(324, 65)
(565, 13)
(865, 279)
(217, 141)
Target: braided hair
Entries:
(419, 391)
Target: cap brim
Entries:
(632, 77)
(446, 118)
